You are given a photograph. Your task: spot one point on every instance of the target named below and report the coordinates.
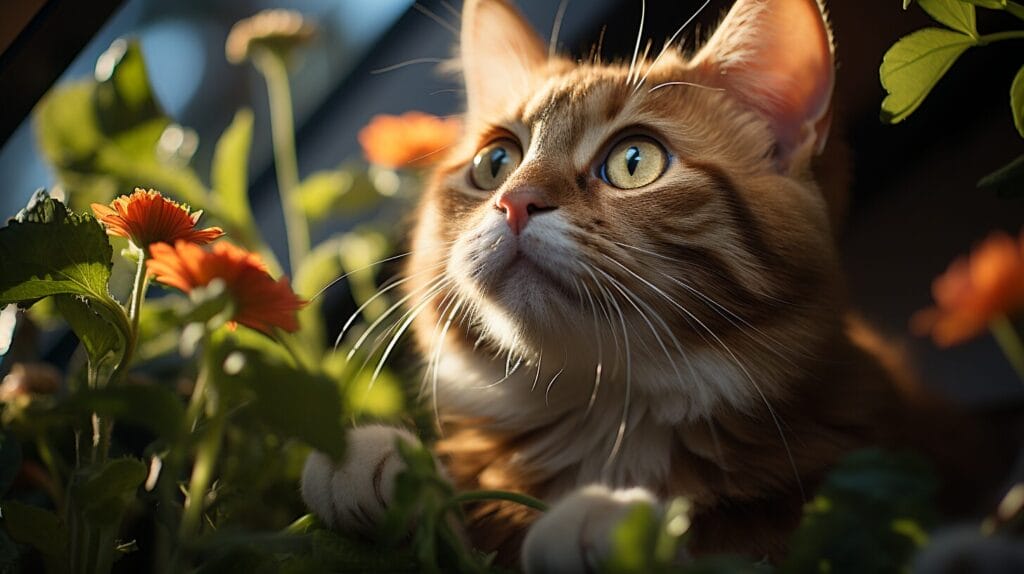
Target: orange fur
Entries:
(745, 379)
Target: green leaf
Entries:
(230, 171)
(1007, 181)
(48, 251)
(633, 541)
(98, 335)
(343, 192)
(867, 517)
(41, 529)
(913, 65)
(149, 406)
(10, 460)
(993, 4)
(123, 97)
(956, 14)
(103, 493)
(1017, 100)
(289, 400)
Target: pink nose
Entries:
(519, 204)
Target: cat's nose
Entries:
(519, 205)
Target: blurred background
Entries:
(914, 206)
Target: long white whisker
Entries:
(691, 84)
(405, 325)
(428, 287)
(669, 43)
(441, 21)
(411, 62)
(639, 37)
(556, 28)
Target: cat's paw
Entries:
(576, 534)
(353, 495)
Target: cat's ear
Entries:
(777, 57)
(500, 55)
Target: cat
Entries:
(626, 288)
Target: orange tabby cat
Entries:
(625, 275)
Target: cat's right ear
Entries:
(500, 56)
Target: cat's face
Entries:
(665, 205)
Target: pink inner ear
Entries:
(776, 55)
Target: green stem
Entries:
(478, 495)
(286, 164)
(207, 450)
(1015, 9)
(138, 293)
(1009, 340)
(1000, 36)
(202, 475)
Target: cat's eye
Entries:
(494, 163)
(634, 162)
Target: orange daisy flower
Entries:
(148, 217)
(413, 139)
(974, 291)
(260, 302)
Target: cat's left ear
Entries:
(777, 57)
(500, 55)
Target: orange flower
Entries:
(413, 139)
(148, 217)
(259, 302)
(974, 291)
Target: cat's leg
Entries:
(575, 535)
(354, 493)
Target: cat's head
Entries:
(666, 200)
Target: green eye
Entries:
(634, 162)
(494, 163)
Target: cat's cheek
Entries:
(576, 534)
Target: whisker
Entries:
(451, 9)
(669, 43)
(441, 21)
(556, 28)
(691, 84)
(359, 342)
(411, 62)
(639, 37)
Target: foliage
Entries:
(917, 62)
(176, 443)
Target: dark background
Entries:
(914, 207)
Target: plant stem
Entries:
(1000, 36)
(286, 164)
(1009, 340)
(202, 474)
(518, 498)
(138, 293)
(1015, 9)
(206, 451)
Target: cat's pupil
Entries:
(632, 159)
(498, 158)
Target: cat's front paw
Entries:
(576, 534)
(353, 494)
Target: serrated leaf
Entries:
(1007, 181)
(98, 335)
(50, 251)
(956, 14)
(913, 65)
(230, 171)
(1017, 100)
(292, 401)
(39, 528)
(149, 406)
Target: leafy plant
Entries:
(916, 63)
